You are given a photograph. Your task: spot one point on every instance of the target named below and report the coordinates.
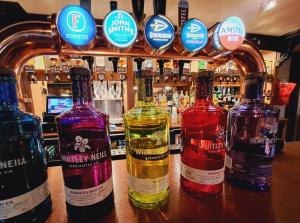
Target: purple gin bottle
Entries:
(251, 138)
(85, 153)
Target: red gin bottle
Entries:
(85, 152)
(203, 142)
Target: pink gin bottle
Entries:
(85, 152)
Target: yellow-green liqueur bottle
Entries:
(147, 148)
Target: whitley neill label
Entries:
(6, 164)
(83, 154)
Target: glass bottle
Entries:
(24, 193)
(147, 145)
(203, 129)
(181, 99)
(175, 98)
(85, 152)
(251, 138)
(186, 99)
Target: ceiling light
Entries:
(268, 5)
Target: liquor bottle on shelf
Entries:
(169, 99)
(186, 99)
(175, 98)
(181, 98)
(251, 138)
(192, 98)
(24, 193)
(203, 139)
(85, 152)
(160, 100)
(147, 145)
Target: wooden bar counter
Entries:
(281, 204)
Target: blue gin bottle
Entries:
(24, 193)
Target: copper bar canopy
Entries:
(22, 41)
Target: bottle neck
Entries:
(254, 89)
(203, 89)
(145, 91)
(81, 90)
(8, 93)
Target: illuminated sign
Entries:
(159, 32)
(76, 26)
(193, 35)
(120, 28)
(230, 34)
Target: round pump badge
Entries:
(159, 32)
(193, 35)
(120, 28)
(76, 26)
(231, 33)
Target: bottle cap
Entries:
(83, 71)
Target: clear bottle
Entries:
(186, 99)
(251, 138)
(203, 129)
(181, 99)
(175, 98)
(24, 193)
(147, 145)
(85, 152)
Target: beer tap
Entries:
(180, 68)
(90, 61)
(113, 5)
(139, 62)
(161, 63)
(159, 7)
(138, 12)
(183, 12)
(114, 61)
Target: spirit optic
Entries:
(24, 193)
(147, 141)
(203, 141)
(252, 128)
(85, 152)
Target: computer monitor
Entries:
(57, 104)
